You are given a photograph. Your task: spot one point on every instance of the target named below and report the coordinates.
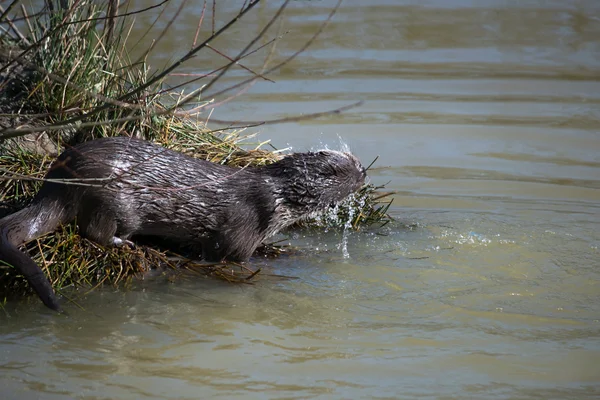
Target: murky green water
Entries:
(486, 119)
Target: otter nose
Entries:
(363, 173)
(366, 179)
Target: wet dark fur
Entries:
(120, 187)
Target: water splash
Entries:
(342, 215)
(346, 232)
(343, 147)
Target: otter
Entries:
(115, 188)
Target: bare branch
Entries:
(214, 15)
(287, 60)
(199, 24)
(248, 46)
(11, 23)
(202, 76)
(8, 9)
(164, 31)
(237, 63)
(290, 119)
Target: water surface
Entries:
(485, 117)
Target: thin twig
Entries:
(237, 63)
(214, 15)
(164, 31)
(8, 9)
(291, 119)
(211, 73)
(199, 24)
(287, 60)
(13, 27)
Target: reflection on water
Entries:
(485, 115)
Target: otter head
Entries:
(314, 181)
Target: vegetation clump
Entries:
(66, 77)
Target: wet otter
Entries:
(119, 187)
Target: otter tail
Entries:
(42, 216)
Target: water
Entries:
(485, 118)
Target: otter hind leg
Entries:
(99, 226)
(105, 220)
(100, 229)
